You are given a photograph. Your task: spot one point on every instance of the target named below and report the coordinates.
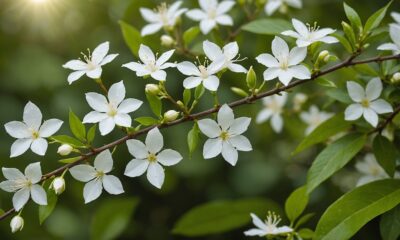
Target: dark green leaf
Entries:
(303, 219)
(268, 26)
(76, 126)
(132, 37)
(353, 17)
(376, 18)
(296, 203)
(390, 224)
(386, 154)
(91, 134)
(46, 210)
(187, 94)
(155, 104)
(345, 43)
(193, 138)
(65, 139)
(349, 32)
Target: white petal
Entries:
(212, 50)
(389, 46)
(297, 55)
(129, 105)
(353, 112)
(188, 69)
(272, 6)
(291, 33)
(225, 20)
(83, 172)
(395, 16)
(32, 116)
(72, 77)
(237, 68)
(374, 89)
(169, 157)
(191, 82)
(257, 221)
(95, 73)
(329, 39)
(12, 173)
(151, 28)
(285, 76)
(277, 123)
(207, 25)
(20, 146)
(280, 49)
(97, 101)
(156, 175)
(394, 31)
(8, 185)
(137, 149)
(106, 126)
(224, 7)
(123, 120)
(255, 232)
(356, 92)
(229, 153)
(39, 146)
(300, 27)
(92, 190)
(271, 73)
(159, 75)
(263, 115)
(50, 127)
(380, 106)
(134, 66)
(104, 162)
(38, 194)
(294, 3)
(136, 167)
(300, 72)
(212, 148)
(20, 198)
(165, 57)
(209, 128)
(284, 229)
(267, 60)
(225, 117)
(148, 14)
(116, 93)
(112, 185)
(108, 59)
(371, 117)
(100, 52)
(146, 55)
(76, 65)
(196, 14)
(216, 66)
(211, 83)
(239, 125)
(241, 143)
(33, 172)
(154, 141)
(94, 117)
(17, 129)
(208, 4)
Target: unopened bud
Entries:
(180, 103)
(251, 78)
(16, 224)
(395, 78)
(58, 185)
(171, 115)
(65, 149)
(324, 56)
(152, 89)
(298, 100)
(239, 92)
(167, 41)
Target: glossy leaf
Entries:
(353, 17)
(376, 18)
(385, 153)
(65, 139)
(390, 224)
(132, 37)
(76, 126)
(146, 121)
(155, 104)
(46, 210)
(296, 203)
(91, 134)
(193, 138)
(268, 26)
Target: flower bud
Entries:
(65, 149)
(171, 115)
(167, 41)
(251, 78)
(152, 89)
(58, 185)
(239, 92)
(395, 78)
(180, 103)
(298, 100)
(16, 224)
(324, 56)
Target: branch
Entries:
(349, 62)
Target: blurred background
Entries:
(37, 38)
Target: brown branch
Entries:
(387, 121)
(349, 62)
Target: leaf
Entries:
(356, 208)
(46, 210)
(390, 224)
(376, 18)
(221, 216)
(325, 130)
(325, 82)
(296, 203)
(345, 43)
(353, 17)
(333, 158)
(91, 134)
(155, 104)
(339, 95)
(190, 34)
(349, 32)
(306, 233)
(193, 138)
(304, 219)
(199, 91)
(69, 160)
(385, 153)
(187, 95)
(146, 121)
(112, 217)
(268, 26)
(65, 139)
(76, 126)
(132, 37)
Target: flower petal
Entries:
(49, 127)
(271, 73)
(150, 29)
(39, 146)
(267, 60)
(272, 6)
(116, 93)
(112, 185)
(374, 89)
(300, 72)
(263, 115)
(136, 167)
(17, 129)
(356, 92)
(94, 117)
(169, 157)
(104, 162)
(257, 221)
(146, 55)
(206, 25)
(154, 141)
(371, 116)
(225, 117)
(212, 148)
(12, 173)
(32, 116)
(108, 59)
(137, 149)
(229, 153)
(353, 112)
(148, 14)
(156, 175)
(76, 65)
(95, 73)
(123, 120)
(20, 146)
(97, 101)
(211, 83)
(159, 75)
(20, 198)
(280, 49)
(237, 68)
(300, 27)
(165, 57)
(8, 186)
(100, 52)
(212, 50)
(380, 106)
(92, 190)
(209, 128)
(191, 82)
(277, 123)
(106, 126)
(33, 172)
(224, 7)
(83, 172)
(129, 105)
(239, 125)
(72, 77)
(196, 14)
(297, 55)
(255, 232)
(188, 69)
(241, 143)
(225, 20)
(38, 194)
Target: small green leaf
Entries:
(296, 203)
(385, 153)
(132, 37)
(190, 34)
(306, 233)
(187, 95)
(69, 160)
(268, 26)
(333, 158)
(376, 18)
(193, 138)
(91, 134)
(46, 210)
(356, 208)
(345, 43)
(1, 212)
(155, 104)
(349, 32)
(390, 224)
(353, 17)
(146, 121)
(303, 219)
(325, 130)
(65, 139)
(325, 82)
(76, 126)
(199, 91)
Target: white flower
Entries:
(298, 100)
(284, 64)
(31, 133)
(211, 14)
(92, 64)
(370, 170)
(171, 115)
(96, 177)
(314, 117)
(273, 108)
(151, 66)
(396, 17)
(58, 185)
(394, 31)
(308, 35)
(17, 224)
(150, 157)
(24, 186)
(225, 135)
(164, 16)
(65, 149)
(366, 102)
(268, 227)
(113, 111)
(228, 54)
(273, 5)
(201, 74)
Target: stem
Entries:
(101, 84)
(192, 117)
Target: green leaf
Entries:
(146, 121)
(333, 158)
(1, 212)
(91, 134)
(325, 82)
(385, 153)
(353, 17)
(65, 139)
(325, 130)
(193, 138)
(187, 95)
(339, 95)
(112, 217)
(303, 219)
(221, 216)
(268, 26)
(199, 91)
(296, 203)
(155, 104)
(390, 224)
(190, 34)
(69, 160)
(345, 43)
(46, 210)
(132, 37)
(349, 32)
(356, 208)
(306, 233)
(376, 18)
(76, 126)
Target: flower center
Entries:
(21, 183)
(152, 157)
(203, 71)
(365, 103)
(163, 13)
(151, 66)
(212, 13)
(35, 134)
(112, 111)
(284, 63)
(272, 221)
(274, 107)
(224, 135)
(100, 174)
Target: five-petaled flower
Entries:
(272, 5)
(96, 178)
(394, 31)
(273, 108)
(211, 14)
(366, 102)
(396, 17)
(308, 35)
(24, 186)
(31, 132)
(149, 157)
(370, 170)
(163, 17)
(113, 111)
(284, 64)
(267, 228)
(228, 54)
(314, 117)
(151, 66)
(225, 135)
(92, 64)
